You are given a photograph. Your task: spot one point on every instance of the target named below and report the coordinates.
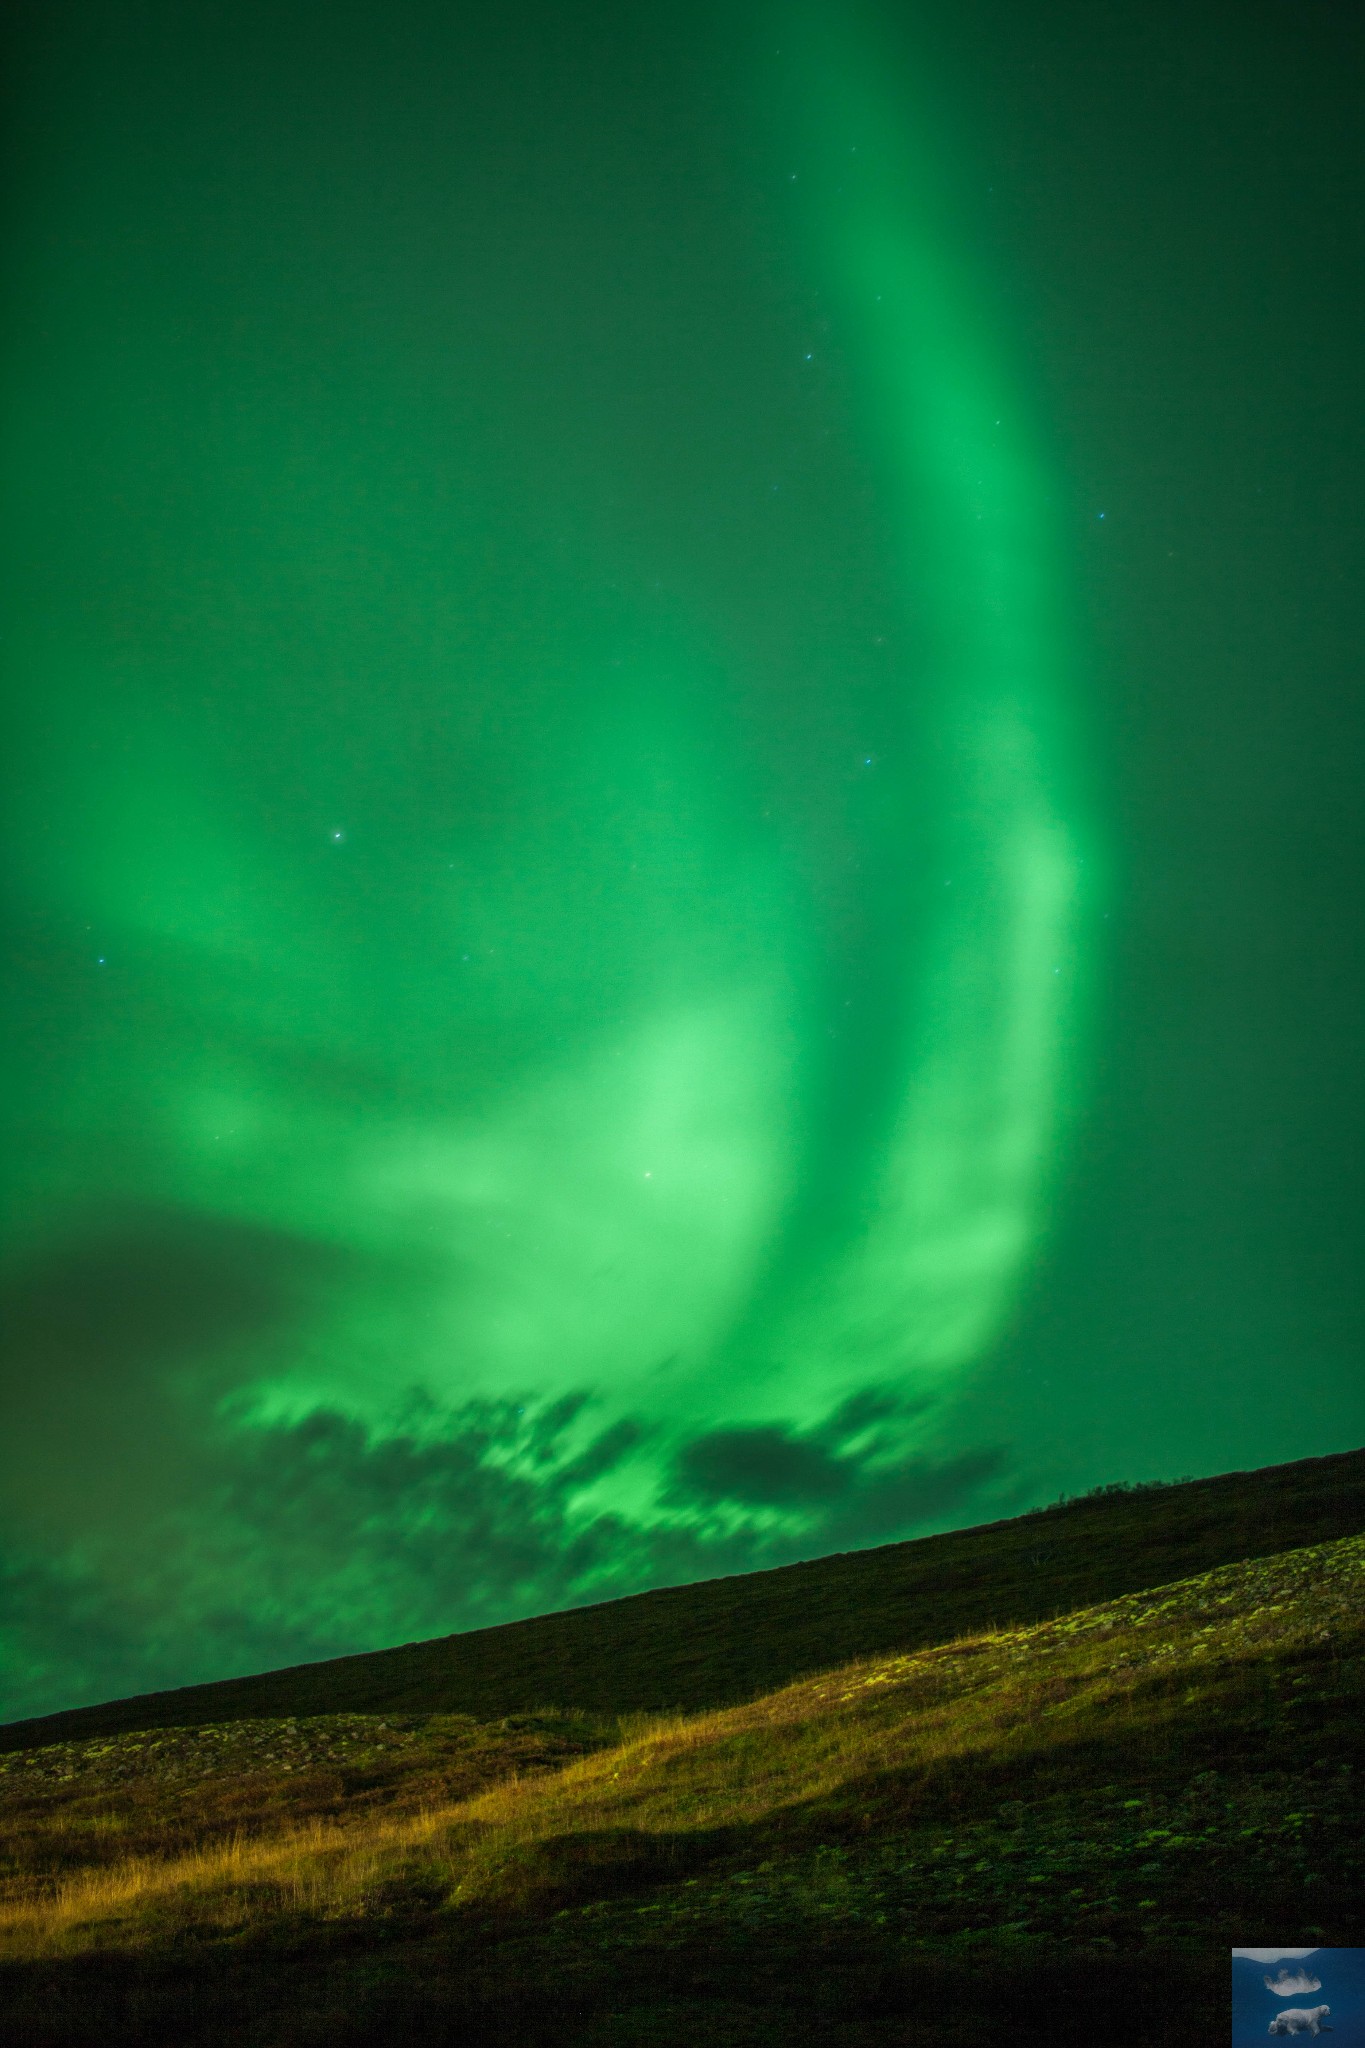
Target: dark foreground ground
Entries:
(798, 1984)
(1183, 1778)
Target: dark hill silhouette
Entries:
(728, 1640)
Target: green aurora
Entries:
(557, 853)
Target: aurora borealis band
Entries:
(681, 868)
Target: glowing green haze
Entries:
(955, 1204)
(526, 1094)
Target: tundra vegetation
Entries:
(1041, 1824)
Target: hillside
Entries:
(1056, 1829)
(728, 1640)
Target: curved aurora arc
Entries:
(991, 1070)
(917, 1288)
(925, 1277)
(574, 1252)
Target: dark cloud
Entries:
(762, 1467)
(463, 1519)
(103, 1332)
(143, 1286)
(320, 1537)
(844, 1475)
(157, 1537)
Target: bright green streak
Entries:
(990, 1068)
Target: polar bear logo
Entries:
(1301, 2019)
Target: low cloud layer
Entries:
(318, 1537)
(846, 1471)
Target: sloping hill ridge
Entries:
(1043, 1834)
(728, 1640)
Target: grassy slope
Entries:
(1090, 1808)
(726, 1640)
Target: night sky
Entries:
(683, 828)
